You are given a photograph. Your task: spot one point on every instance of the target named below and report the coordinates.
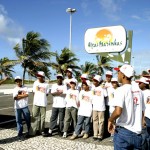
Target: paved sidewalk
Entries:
(9, 141)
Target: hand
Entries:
(111, 127)
(60, 91)
(144, 124)
(78, 104)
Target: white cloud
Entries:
(9, 30)
(13, 40)
(111, 8)
(136, 17)
(85, 7)
(144, 15)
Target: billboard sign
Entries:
(105, 39)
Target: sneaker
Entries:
(27, 136)
(49, 132)
(82, 133)
(85, 136)
(99, 139)
(45, 134)
(74, 136)
(95, 138)
(20, 138)
(65, 135)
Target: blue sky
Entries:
(49, 18)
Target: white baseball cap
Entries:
(69, 69)
(97, 78)
(18, 78)
(84, 76)
(40, 74)
(109, 73)
(127, 70)
(87, 82)
(143, 80)
(73, 80)
(114, 80)
(59, 75)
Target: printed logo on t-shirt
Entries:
(21, 92)
(86, 98)
(72, 96)
(111, 96)
(98, 93)
(59, 90)
(148, 100)
(41, 89)
(136, 97)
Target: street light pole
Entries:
(71, 11)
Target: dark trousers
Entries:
(106, 117)
(54, 117)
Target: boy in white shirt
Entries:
(108, 87)
(58, 92)
(143, 85)
(115, 85)
(69, 74)
(41, 90)
(98, 102)
(85, 110)
(20, 95)
(83, 77)
(127, 118)
(72, 99)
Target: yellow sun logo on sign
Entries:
(104, 36)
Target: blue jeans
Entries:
(147, 120)
(26, 114)
(81, 120)
(126, 140)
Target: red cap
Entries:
(117, 69)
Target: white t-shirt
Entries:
(72, 98)
(79, 86)
(22, 103)
(67, 83)
(85, 98)
(111, 100)
(108, 87)
(98, 98)
(59, 101)
(146, 94)
(130, 99)
(34, 85)
(40, 91)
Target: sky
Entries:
(50, 19)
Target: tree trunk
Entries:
(24, 72)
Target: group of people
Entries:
(122, 106)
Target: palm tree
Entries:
(89, 68)
(6, 70)
(33, 52)
(103, 63)
(65, 60)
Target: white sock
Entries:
(50, 131)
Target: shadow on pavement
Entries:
(7, 121)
